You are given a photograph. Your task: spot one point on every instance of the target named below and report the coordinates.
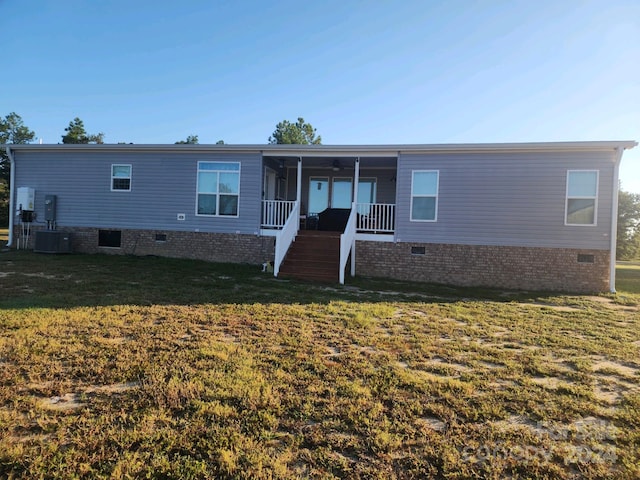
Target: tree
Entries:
(220, 142)
(628, 244)
(77, 134)
(12, 130)
(299, 133)
(191, 140)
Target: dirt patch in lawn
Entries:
(611, 303)
(66, 402)
(557, 308)
(114, 388)
(551, 382)
(625, 370)
(442, 363)
(432, 423)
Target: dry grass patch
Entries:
(196, 370)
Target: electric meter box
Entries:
(50, 208)
(26, 199)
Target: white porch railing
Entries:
(285, 237)
(348, 244)
(376, 217)
(276, 212)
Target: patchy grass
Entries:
(131, 367)
(628, 277)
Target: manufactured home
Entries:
(534, 216)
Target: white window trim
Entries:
(595, 205)
(130, 177)
(436, 196)
(217, 215)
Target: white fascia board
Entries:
(138, 148)
(520, 147)
(342, 150)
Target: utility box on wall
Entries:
(50, 208)
(26, 199)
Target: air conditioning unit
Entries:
(52, 241)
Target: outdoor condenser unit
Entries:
(52, 241)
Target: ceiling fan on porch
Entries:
(338, 166)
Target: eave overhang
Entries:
(337, 150)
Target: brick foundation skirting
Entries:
(212, 247)
(522, 268)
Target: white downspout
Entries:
(614, 220)
(12, 181)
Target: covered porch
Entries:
(352, 196)
(320, 185)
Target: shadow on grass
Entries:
(29, 280)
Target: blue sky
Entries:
(371, 72)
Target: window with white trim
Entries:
(218, 189)
(121, 177)
(424, 195)
(582, 197)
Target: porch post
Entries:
(299, 184)
(354, 204)
(356, 180)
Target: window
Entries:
(366, 195)
(367, 190)
(341, 192)
(424, 195)
(582, 197)
(218, 188)
(121, 177)
(109, 238)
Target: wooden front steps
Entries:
(314, 256)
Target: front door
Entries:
(318, 194)
(270, 178)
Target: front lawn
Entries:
(128, 367)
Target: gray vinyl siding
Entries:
(515, 199)
(162, 186)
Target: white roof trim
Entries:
(340, 150)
